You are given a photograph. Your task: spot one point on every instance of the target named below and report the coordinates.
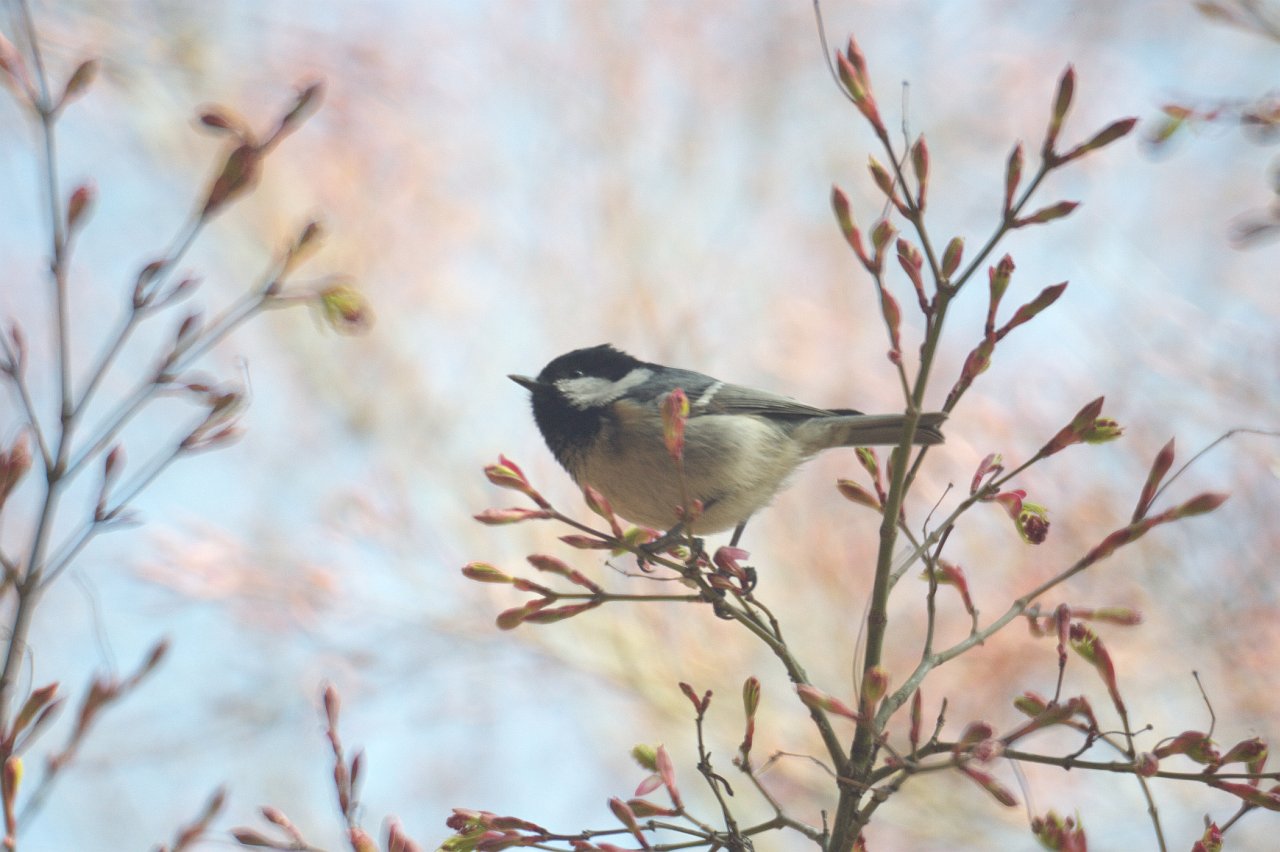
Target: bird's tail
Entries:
(861, 430)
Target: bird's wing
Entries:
(738, 399)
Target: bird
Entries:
(599, 410)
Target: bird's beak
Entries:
(526, 382)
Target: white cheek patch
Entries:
(586, 392)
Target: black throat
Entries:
(568, 431)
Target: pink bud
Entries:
(699, 704)
(1073, 432)
(81, 199)
(550, 615)
(239, 173)
(494, 517)
(991, 466)
(667, 771)
(675, 413)
(1112, 132)
(840, 203)
(549, 564)
(586, 542)
(882, 179)
(507, 474)
(857, 494)
(998, 278)
(1012, 177)
(893, 321)
(1159, 467)
(815, 698)
(483, 572)
(988, 782)
(1201, 504)
(644, 809)
(1263, 799)
(912, 261)
(627, 818)
(1047, 214)
(1089, 645)
(1061, 103)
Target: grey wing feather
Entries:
(738, 399)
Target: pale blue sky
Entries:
(508, 180)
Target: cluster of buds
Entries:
(1200, 747)
(980, 744)
(485, 831)
(722, 571)
(1087, 427)
(1113, 132)
(855, 493)
(242, 167)
(220, 425)
(852, 69)
(1030, 519)
(19, 79)
(1060, 834)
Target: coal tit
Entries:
(600, 411)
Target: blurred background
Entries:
(510, 180)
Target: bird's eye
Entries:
(576, 374)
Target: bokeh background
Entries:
(509, 180)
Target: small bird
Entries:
(600, 412)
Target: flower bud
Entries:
(646, 756)
(675, 413)
(345, 309)
(952, 255)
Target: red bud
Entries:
(675, 413)
(1046, 297)
(840, 203)
(494, 517)
(1061, 103)
(1047, 214)
(1112, 132)
(1012, 177)
(857, 494)
(1200, 504)
(893, 321)
(817, 699)
(239, 173)
(1159, 467)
